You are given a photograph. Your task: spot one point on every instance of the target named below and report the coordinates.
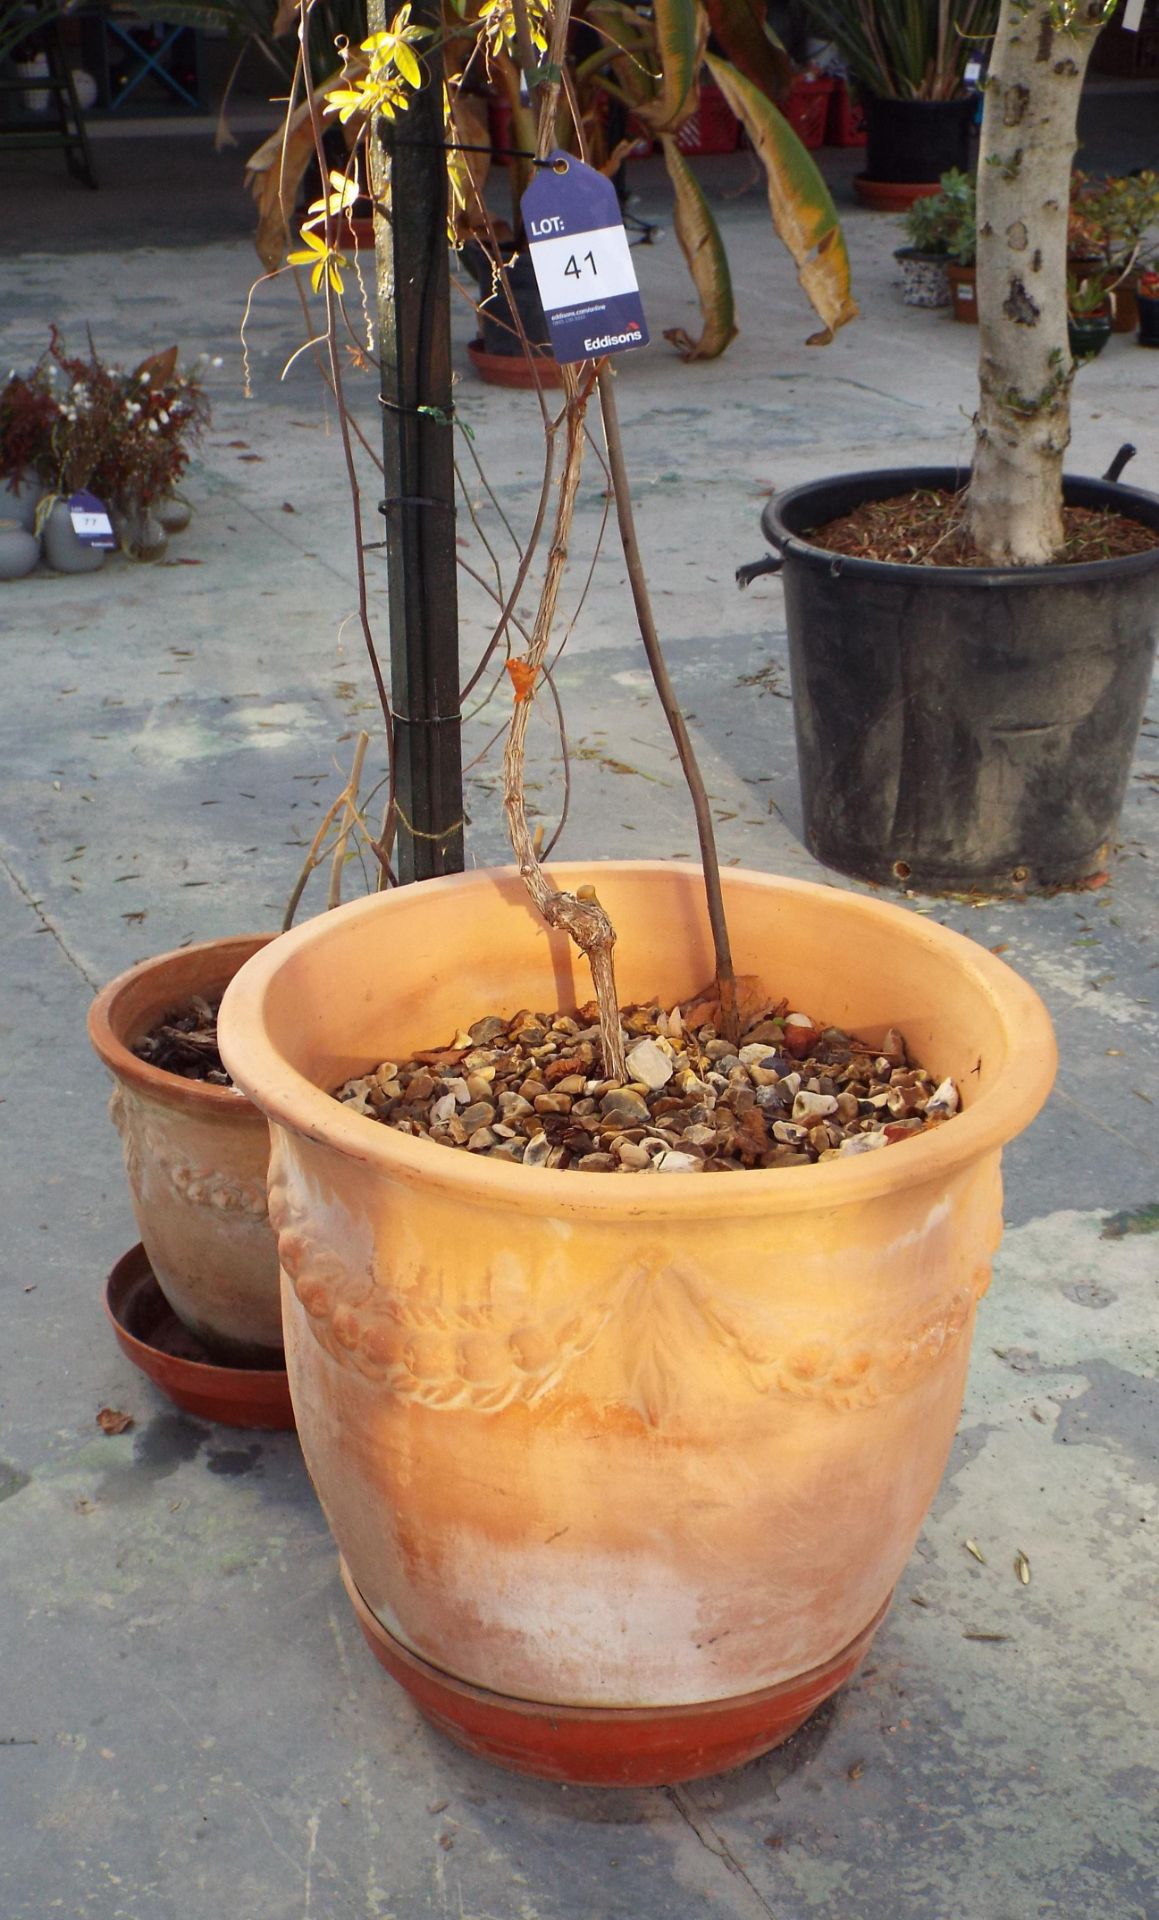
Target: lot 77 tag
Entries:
(583, 264)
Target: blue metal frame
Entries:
(149, 60)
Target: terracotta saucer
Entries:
(609, 1746)
(151, 1336)
(511, 369)
(892, 196)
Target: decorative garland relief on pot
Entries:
(662, 1315)
(197, 1186)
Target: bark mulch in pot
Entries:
(185, 1043)
(924, 529)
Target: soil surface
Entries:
(924, 529)
(531, 1089)
(185, 1043)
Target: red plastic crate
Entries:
(713, 128)
(846, 118)
(807, 108)
(499, 126)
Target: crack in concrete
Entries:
(712, 1842)
(1099, 1120)
(48, 925)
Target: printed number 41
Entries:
(574, 269)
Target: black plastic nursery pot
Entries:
(917, 140)
(1087, 335)
(963, 728)
(499, 333)
(1148, 320)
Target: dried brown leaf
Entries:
(112, 1420)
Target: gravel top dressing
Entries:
(530, 1089)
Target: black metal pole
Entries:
(418, 449)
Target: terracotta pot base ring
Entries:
(511, 369)
(151, 1336)
(892, 196)
(609, 1746)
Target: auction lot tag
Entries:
(90, 520)
(583, 264)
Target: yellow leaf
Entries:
(703, 249)
(407, 65)
(799, 201)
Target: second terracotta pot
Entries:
(650, 1448)
(196, 1157)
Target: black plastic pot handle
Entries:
(1126, 452)
(772, 563)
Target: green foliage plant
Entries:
(944, 223)
(906, 49)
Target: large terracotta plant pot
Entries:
(623, 1469)
(196, 1158)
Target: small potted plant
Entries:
(909, 65)
(1147, 295)
(1112, 222)
(1088, 315)
(196, 1153)
(80, 424)
(962, 272)
(939, 230)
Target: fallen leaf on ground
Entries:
(112, 1420)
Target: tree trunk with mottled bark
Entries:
(1037, 64)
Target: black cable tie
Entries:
(427, 719)
(456, 146)
(413, 500)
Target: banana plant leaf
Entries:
(681, 37)
(799, 201)
(754, 49)
(703, 249)
(274, 173)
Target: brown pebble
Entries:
(552, 1103)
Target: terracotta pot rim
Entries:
(232, 1396)
(107, 1028)
(295, 1103)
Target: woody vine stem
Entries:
(581, 914)
(382, 90)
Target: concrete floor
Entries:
(191, 1726)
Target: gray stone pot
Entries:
(174, 513)
(18, 497)
(63, 551)
(140, 533)
(19, 550)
